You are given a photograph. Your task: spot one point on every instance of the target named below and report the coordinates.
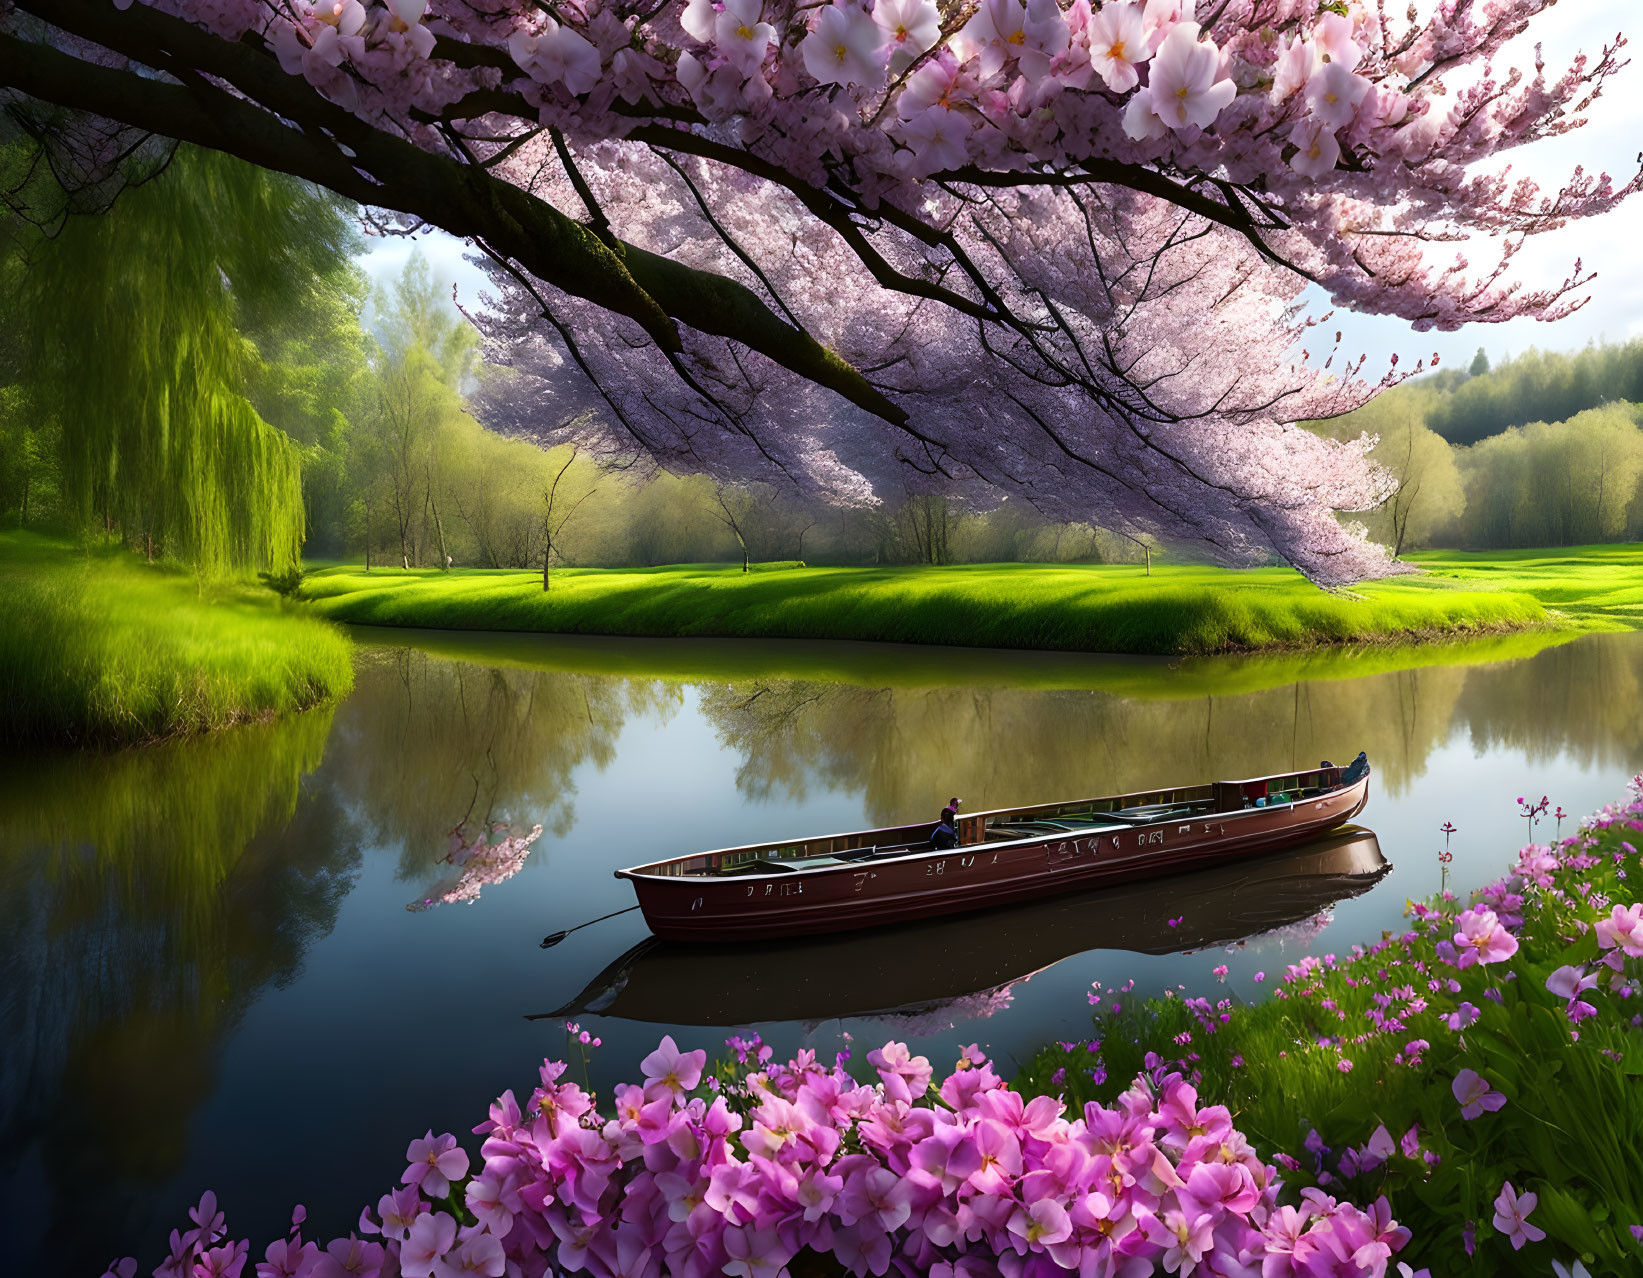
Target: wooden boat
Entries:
(932, 964)
(868, 878)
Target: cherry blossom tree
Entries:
(1048, 249)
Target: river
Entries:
(263, 962)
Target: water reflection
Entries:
(146, 900)
(435, 755)
(965, 966)
(996, 746)
(208, 975)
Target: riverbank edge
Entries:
(100, 650)
(1092, 615)
(1472, 994)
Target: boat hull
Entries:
(946, 963)
(975, 877)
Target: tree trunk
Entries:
(1147, 550)
(148, 543)
(367, 536)
(439, 526)
(24, 517)
(547, 555)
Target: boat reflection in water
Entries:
(914, 966)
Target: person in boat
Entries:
(945, 834)
(1355, 769)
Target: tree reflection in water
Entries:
(149, 899)
(429, 750)
(905, 749)
(146, 899)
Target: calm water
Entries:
(210, 976)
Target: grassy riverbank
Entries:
(104, 649)
(1599, 587)
(1492, 1042)
(1179, 610)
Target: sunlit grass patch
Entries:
(1178, 610)
(105, 649)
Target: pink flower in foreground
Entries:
(1482, 939)
(1511, 1216)
(431, 1237)
(435, 1161)
(1464, 1015)
(1475, 1094)
(667, 1069)
(1623, 929)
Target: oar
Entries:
(553, 938)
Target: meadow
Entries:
(1179, 610)
(100, 648)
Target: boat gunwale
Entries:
(636, 873)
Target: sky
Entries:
(1611, 245)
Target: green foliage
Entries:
(1573, 1113)
(132, 332)
(1427, 497)
(102, 649)
(1093, 609)
(1548, 485)
(1546, 386)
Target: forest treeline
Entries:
(204, 372)
(1545, 449)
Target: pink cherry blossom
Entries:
(843, 47)
(1333, 94)
(1186, 88)
(1118, 45)
(910, 27)
(1316, 150)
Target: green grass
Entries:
(1179, 610)
(1599, 587)
(889, 665)
(103, 649)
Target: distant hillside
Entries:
(1536, 386)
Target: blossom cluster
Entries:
(1490, 1005)
(494, 855)
(691, 1175)
(1017, 75)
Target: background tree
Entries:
(566, 493)
(997, 257)
(160, 438)
(1425, 497)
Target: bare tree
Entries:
(560, 504)
(734, 507)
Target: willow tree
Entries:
(1049, 250)
(133, 324)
